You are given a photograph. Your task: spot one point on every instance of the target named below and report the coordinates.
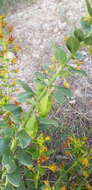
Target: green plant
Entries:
(8, 66)
(24, 150)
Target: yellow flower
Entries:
(17, 90)
(2, 17)
(78, 67)
(31, 168)
(90, 50)
(43, 148)
(63, 187)
(78, 62)
(47, 188)
(66, 84)
(46, 72)
(65, 38)
(85, 174)
(46, 182)
(40, 139)
(2, 24)
(13, 61)
(16, 48)
(6, 115)
(14, 83)
(52, 67)
(7, 97)
(42, 159)
(3, 72)
(85, 139)
(89, 187)
(17, 70)
(53, 60)
(85, 162)
(1, 36)
(11, 39)
(53, 167)
(48, 138)
(87, 17)
(62, 164)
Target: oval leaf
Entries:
(89, 7)
(79, 34)
(24, 139)
(32, 127)
(14, 178)
(72, 44)
(25, 86)
(60, 54)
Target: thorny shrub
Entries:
(24, 151)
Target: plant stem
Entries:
(42, 94)
(53, 79)
(5, 57)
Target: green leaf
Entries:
(24, 139)
(41, 171)
(8, 162)
(59, 96)
(72, 44)
(32, 127)
(14, 178)
(34, 152)
(39, 87)
(4, 142)
(73, 70)
(45, 121)
(45, 66)
(89, 7)
(24, 158)
(39, 76)
(79, 55)
(14, 109)
(61, 93)
(24, 96)
(8, 132)
(3, 124)
(21, 187)
(8, 187)
(79, 34)
(59, 54)
(88, 40)
(25, 86)
(65, 91)
(86, 25)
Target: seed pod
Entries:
(32, 127)
(45, 105)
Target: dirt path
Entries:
(37, 26)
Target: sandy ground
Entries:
(36, 27)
